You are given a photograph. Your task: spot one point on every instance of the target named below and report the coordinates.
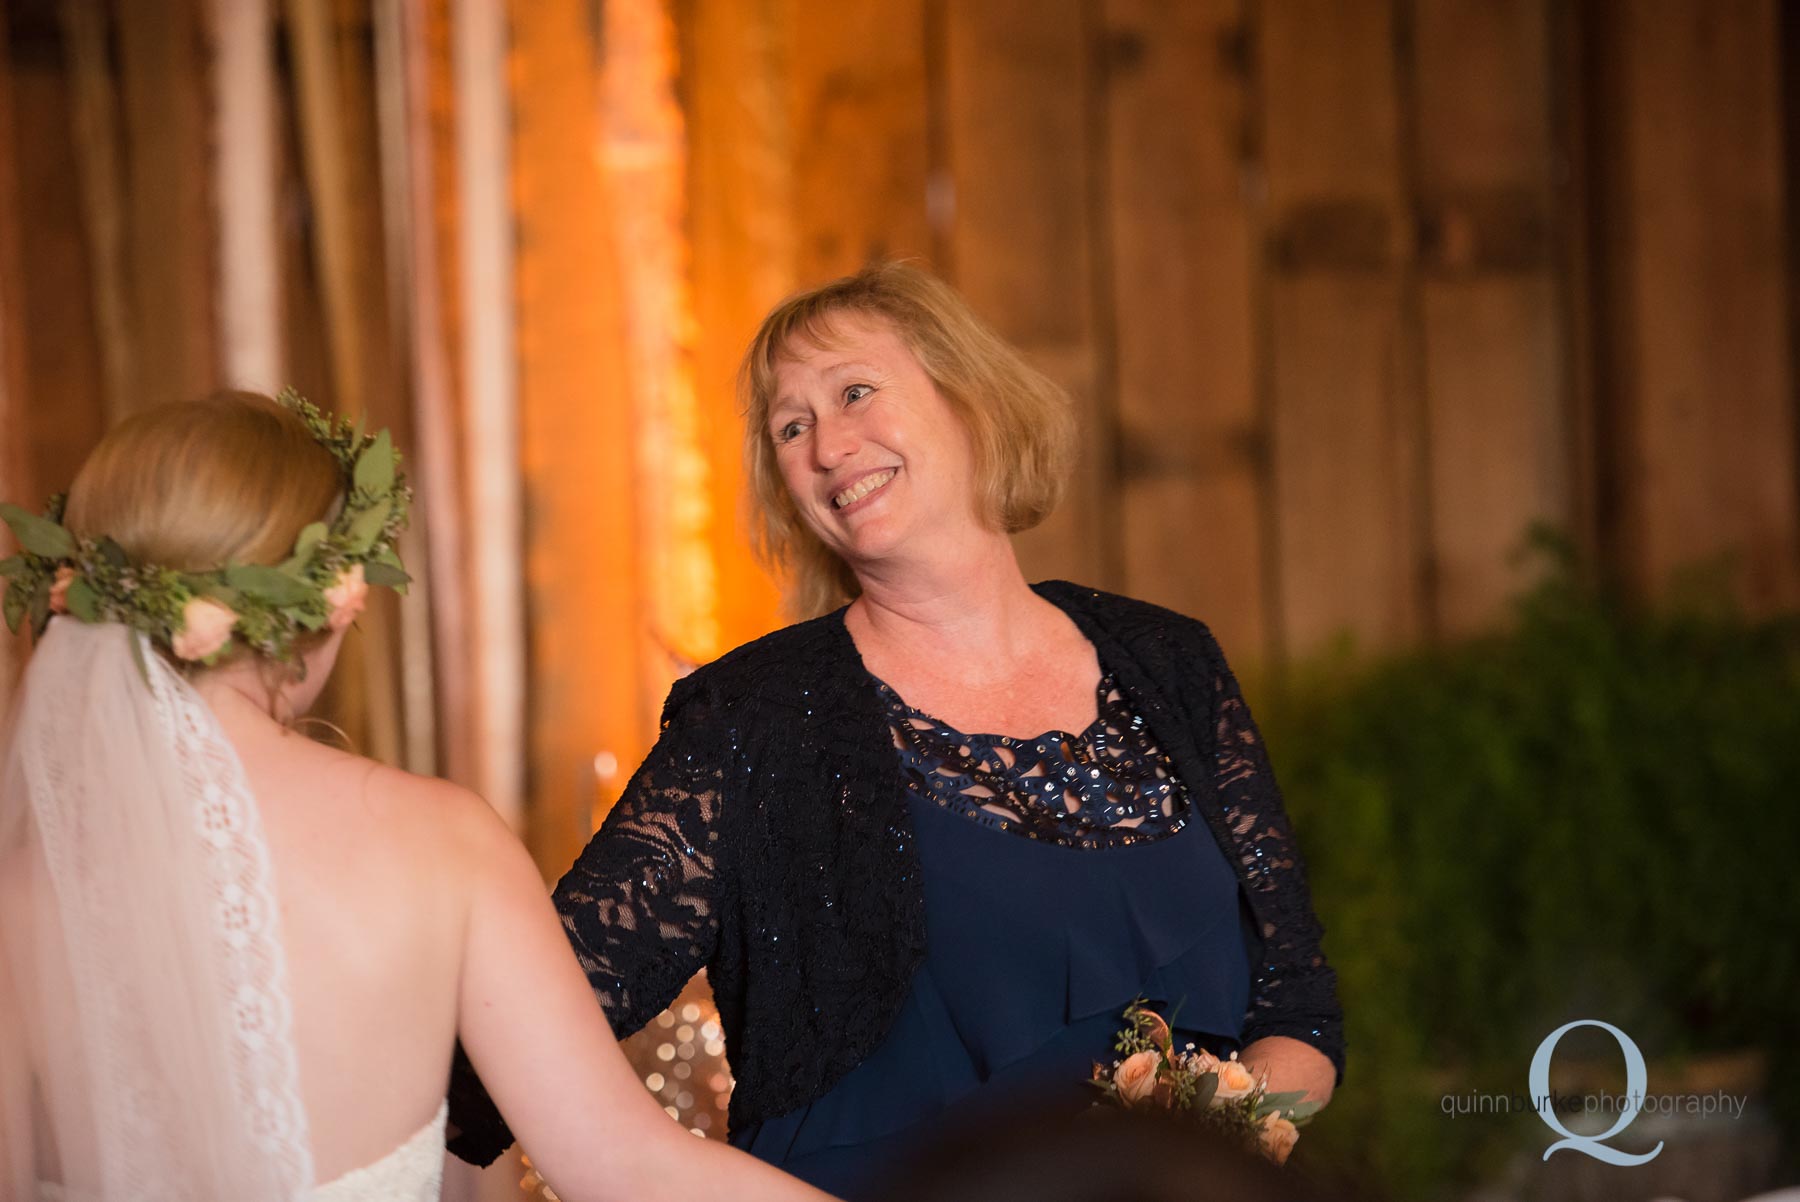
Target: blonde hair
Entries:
(1021, 424)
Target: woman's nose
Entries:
(834, 441)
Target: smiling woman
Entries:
(928, 845)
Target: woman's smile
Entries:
(862, 490)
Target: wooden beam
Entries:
(860, 134)
(243, 114)
(1020, 99)
(1180, 146)
(1497, 413)
(741, 227)
(1342, 363)
(168, 200)
(1699, 377)
(588, 605)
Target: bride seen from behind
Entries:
(234, 962)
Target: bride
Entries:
(234, 962)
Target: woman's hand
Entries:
(1290, 1064)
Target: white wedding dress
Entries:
(140, 953)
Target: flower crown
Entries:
(196, 616)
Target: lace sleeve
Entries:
(641, 904)
(1294, 991)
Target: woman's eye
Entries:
(856, 392)
(789, 432)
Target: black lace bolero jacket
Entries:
(765, 839)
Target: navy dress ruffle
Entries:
(1034, 945)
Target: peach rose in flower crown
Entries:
(347, 596)
(1234, 1081)
(59, 589)
(1135, 1078)
(1278, 1135)
(205, 628)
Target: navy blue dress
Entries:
(1062, 879)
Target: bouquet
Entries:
(1221, 1095)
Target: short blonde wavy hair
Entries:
(1021, 423)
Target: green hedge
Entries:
(1592, 815)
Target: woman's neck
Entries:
(977, 611)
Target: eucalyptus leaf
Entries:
(1304, 1110)
(308, 619)
(38, 535)
(1204, 1089)
(112, 552)
(14, 606)
(1280, 1101)
(40, 607)
(380, 572)
(375, 467)
(309, 541)
(82, 600)
(269, 585)
(12, 565)
(368, 526)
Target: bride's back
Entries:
(370, 866)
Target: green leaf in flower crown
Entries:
(1279, 1101)
(269, 585)
(375, 467)
(1302, 1111)
(367, 526)
(307, 619)
(12, 565)
(1204, 1089)
(82, 600)
(307, 543)
(14, 606)
(112, 552)
(39, 607)
(378, 572)
(40, 536)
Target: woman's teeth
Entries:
(862, 488)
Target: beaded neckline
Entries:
(1107, 785)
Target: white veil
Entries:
(145, 1035)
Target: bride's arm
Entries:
(537, 1036)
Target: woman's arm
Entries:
(1295, 1027)
(536, 1034)
(641, 905)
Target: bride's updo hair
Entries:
(196, 485)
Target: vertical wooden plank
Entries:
(489, 354)
(14, 483)
(586, 596)
(741, 227)
(1343, 397)
(1495, 387)
(1019, 102)
(1183, 259)
(860, 117)
(1698, 355)
(163, 71)
(243, 114)
(59, 345)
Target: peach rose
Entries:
(1279, 1136)
(59, 589)
(205, 627)
(1136, 1077)
(1234, 1081)
(347, 597)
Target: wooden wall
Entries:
(1348, 293)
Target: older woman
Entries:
(930, 842)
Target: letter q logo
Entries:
(1637, 1078)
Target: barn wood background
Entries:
(1348, 293)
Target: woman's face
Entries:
(876, 460)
